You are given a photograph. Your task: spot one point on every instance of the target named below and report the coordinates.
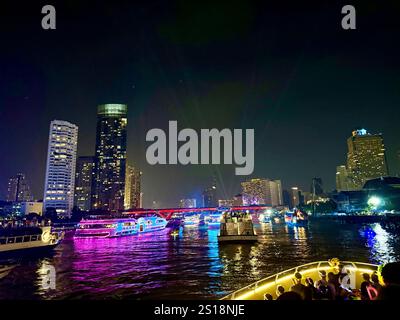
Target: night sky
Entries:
(287, 70)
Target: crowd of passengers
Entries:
(331, 286)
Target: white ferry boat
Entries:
(23, 239)
(237, 227)
(213, 220)
(118, 227)
(193, 220)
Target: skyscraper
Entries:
(210, 195)
(132, 188)
(262, 191)
(83, 182)
(60, 169)
(110, 159)
(18, 189)
(294, 197)
(317, 186)
(275, 190)
(366, 158)
(342, 179)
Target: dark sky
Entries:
(287, 70)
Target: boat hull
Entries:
(237, 238)
(28, 251)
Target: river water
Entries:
(190, 265)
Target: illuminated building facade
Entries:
(226, 203)
(342, 179)
(108, 187)
(187, 203)
(83, 183)
(60, 170)
(366, 158)
(262, 191)
(18, 189)
(133, 195)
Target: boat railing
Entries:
(274, 279)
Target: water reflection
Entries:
(188, 263)
(380, 243)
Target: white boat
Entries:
(118, 227)
(237, 227)
(193, 220)
(22, 240)
(213, 220)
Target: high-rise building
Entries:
(133, 188)
(238, 200)
(60, 170)
(342, 179)
(262, 191)
(110, 159)
(294, 197)
(275, 190)
(210, 195)
(83, 182)
(366, 157)
(317, 187)
(18, 189)
(187, 203)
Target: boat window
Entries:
(11, 240)
(148, 222)
(27, 238)
(34, 238)
(18, 239)
(39, 237)
(2, 240)
(97, 226)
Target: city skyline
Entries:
(303, 84)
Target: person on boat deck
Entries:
(375, 282)
(267, 296)
(311, 291)
(344, 292)
(364, 285)
(332, 285)
(391, 279)
(279, 290)
(322, 279)
(298, 287)
(321, 286)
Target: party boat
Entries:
(118, 227)
(353, 270)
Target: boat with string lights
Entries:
(296, 218)
(191, 220)
(236, 227)
(119, 227)
(350, 272)
(213, 220)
